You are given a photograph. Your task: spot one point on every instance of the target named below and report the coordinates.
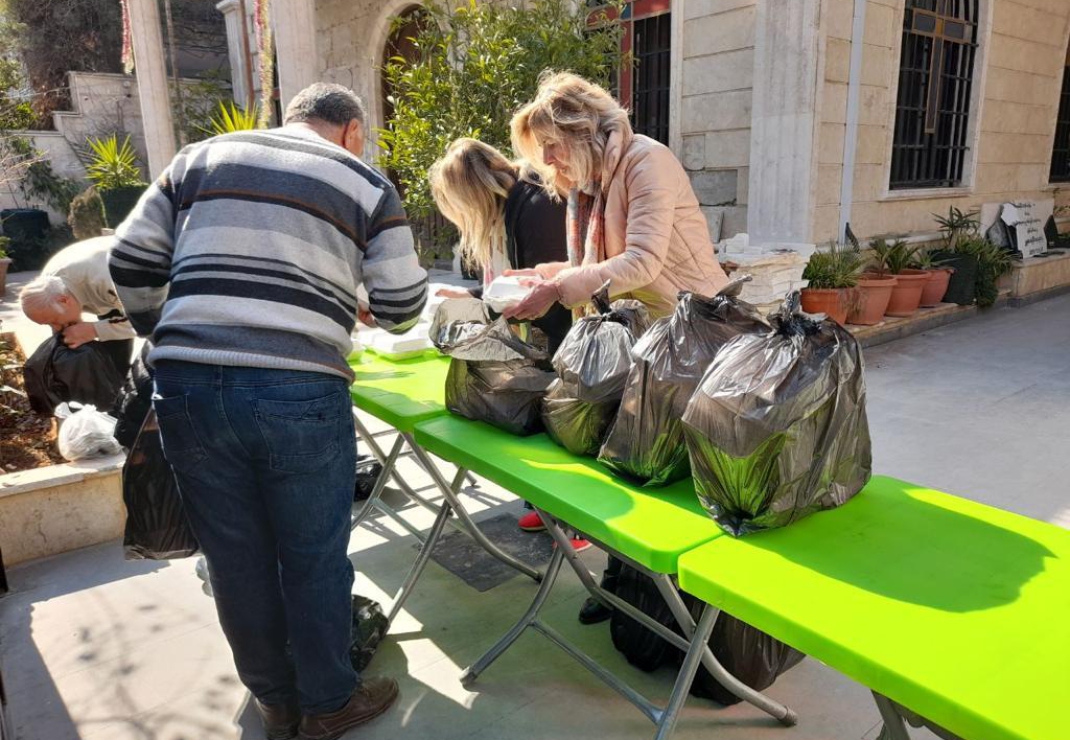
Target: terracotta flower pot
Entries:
(871, 299)
(829, 301)
(934, 290)
(906, 296)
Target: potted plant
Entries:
(116, 175)
(832, 275)
(939, 276)
(894, 259)
(959, 228)
(231, 118)
(5, 262)
(992, 263)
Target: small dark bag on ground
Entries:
(494, 376)
(777, 429)
(56, 374)
(592, 365)
(156, 524)
(645, 442)
(369, 628)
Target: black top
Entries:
(535, 227)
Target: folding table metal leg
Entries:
(667, 721)
(785, 715)
(782, 714)
(464, 516)
(417, 569)
(531, 615)
(895, 728)
(388, 471)
(380, 483)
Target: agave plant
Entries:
(114, 165)
(838, 267)
(232, 118)
(892, 258)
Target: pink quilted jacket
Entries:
(657, 242)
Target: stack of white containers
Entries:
(775, 269)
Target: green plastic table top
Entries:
(956, 610)
(651, 526)
(400, 392)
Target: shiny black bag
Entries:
(646, 443)
(156, 524)
(494, 375)
(592, 365)
(56, 374)
(777, 429)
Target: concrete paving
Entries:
(96, 648)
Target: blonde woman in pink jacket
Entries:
(633, 218)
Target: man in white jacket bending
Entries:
(76, 281)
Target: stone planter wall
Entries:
(58, 508)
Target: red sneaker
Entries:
(579, 545)
(531, 522)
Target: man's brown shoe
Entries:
(373, 697)
(280, 720)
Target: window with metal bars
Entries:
(650, 88)
(1060, 153)
(933, 107)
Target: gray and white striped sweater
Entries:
(250, 247)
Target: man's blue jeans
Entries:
(266, 463)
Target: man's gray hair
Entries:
(43, 294)
(333, 104)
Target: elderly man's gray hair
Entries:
(325, 102)
(43, 294)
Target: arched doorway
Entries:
(405, 26)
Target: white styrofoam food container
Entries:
(399, 346)
(504, 292)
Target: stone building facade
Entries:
(789, 114)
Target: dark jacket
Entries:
(535, 233)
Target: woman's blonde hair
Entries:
(575, 112)
(470, 184)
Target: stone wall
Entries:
(1018, 74)
(350, 38)
(715, 101)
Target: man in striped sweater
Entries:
(243, 261)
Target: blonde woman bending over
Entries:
(633, 218)
(505, 217)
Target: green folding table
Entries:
(955, 611)
(402, 393)
(648, 528)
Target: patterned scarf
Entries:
(586, 231)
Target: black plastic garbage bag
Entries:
(592, 365)
(135, 399)
(749, 654)
(156, 524)
(777, 429)
(369, 627)
(646, 441)
(56, 374)
(494, 375)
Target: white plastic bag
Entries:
(86, 433)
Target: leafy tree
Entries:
(475, 65)
(59, 36)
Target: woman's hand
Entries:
(452, 293)
(543, 295)
(529, 272)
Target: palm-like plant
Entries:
(957, 226)
(892, 258)
(232, 118)
(838, 267)
(114, 165)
